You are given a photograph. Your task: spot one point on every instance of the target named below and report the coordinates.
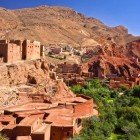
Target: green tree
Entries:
(3, 137)
(119, 116)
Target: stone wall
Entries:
(33, 72)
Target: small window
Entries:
(68, 134)
(79, 122)
(5, 123)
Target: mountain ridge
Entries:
(70, 27)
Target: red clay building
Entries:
(58, 120)
(14, 50)
(31, 50)
(118, 82)
(10, 51)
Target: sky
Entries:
(111, 12)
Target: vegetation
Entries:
(3, 137)
(119, 114)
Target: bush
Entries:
(3, 137)
(136, 91)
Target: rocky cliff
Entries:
(34, 71)
(103, 65)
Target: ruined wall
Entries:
(23, 72)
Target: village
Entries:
(54, 112)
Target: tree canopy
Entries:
(119, 114)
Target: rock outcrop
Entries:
(103, 65)
(34, 71)
(134, 49)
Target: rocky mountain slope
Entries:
(64, 26)
(59, 25)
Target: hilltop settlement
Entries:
(36, 100)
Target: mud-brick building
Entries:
(118, 82)
(15, 50)
(59, 120)
(10, 51)
(31, 50)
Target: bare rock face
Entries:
(32, 72)
(62, 92)
(134, 49)
(70, 27)
(121, 29)
(102, 65)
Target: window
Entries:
(5, 123)
(1, 55)
(79, 122)
(68, 134)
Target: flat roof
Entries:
(6, 118)
(30, 112)
(29, 107)
(60, 120)
(28, 121)
(60, 116)
(10, 126)
(23, 138)
(75, 99)
(42, 128)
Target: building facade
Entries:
(15, 50)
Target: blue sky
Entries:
(111, 12)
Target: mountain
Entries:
(59, 25)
